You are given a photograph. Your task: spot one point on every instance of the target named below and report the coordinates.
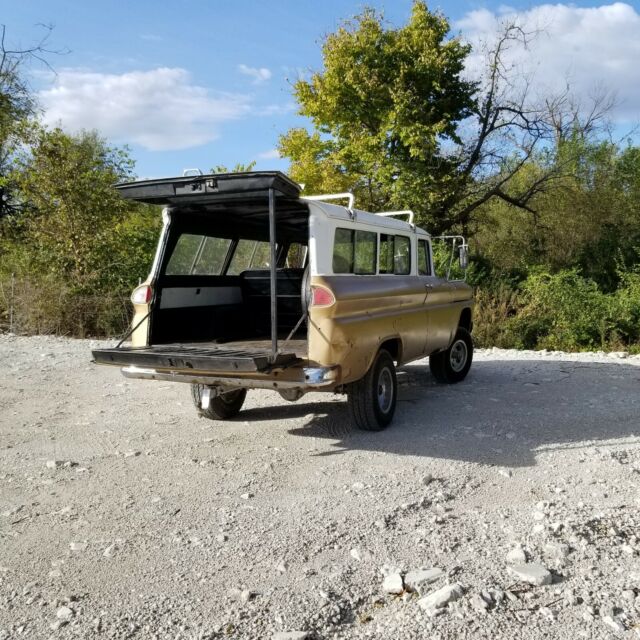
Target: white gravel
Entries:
(124, 515)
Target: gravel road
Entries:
(507, 506)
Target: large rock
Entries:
(532, 573)
(393, 583)
(440, 598)
(64, 613)
(418, 579)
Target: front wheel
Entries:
(372, 400)
(221, 407)
(452, 365)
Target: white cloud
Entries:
(276, 109)
(159, 109)
(259, 75)
(591, 48)
(272, 154)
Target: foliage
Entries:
(237, 168)
(397, 122)
(384, 108)
(560, 311)
(18, 108)
(75, 238)
(551, 208)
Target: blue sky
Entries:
(196, 84)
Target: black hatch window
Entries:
(250, 254)
(198, 255)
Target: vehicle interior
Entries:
(214, 281)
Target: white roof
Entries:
(342, 213)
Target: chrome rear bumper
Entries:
(305, 378)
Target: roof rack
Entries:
(404, 212)
(334, 196)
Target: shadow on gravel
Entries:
(501, 414)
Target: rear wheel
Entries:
(372, 400)
(221, 407)
(452, 365)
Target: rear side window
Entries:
(198, 255)
(355, 252)
(424, 258)
(395, 254)
(343, 251)
(250, 254)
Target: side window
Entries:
(197, 255)
(402, 256)
(249, 254)
(365, 252)
(395, 254)
(386, 253)
(424, 258)
(355, 252)
(343, 251)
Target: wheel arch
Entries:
(465, 321)
(394, 346)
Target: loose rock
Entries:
(64, 613)
(517, 556)
(531, 573)
(440, 598)
(393, 584)
(418, 579)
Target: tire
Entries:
(372, 399)
(222, 407)
(452, 365)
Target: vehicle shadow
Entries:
(502, 414)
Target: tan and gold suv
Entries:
(255, 287)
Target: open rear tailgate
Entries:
(182, 357)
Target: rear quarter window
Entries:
(355, 251)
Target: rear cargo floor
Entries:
(238, 355)
(298, 347)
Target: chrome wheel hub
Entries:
(458, 355)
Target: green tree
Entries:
(74, 224)
(18, 108)
(385, 110)
(237, 168)
(396, 121)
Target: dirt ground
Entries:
(124, 515)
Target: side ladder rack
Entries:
(392, 214)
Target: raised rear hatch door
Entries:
(220, 187)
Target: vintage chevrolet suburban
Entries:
(254, 286)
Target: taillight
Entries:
(142, 294)
(321, 297)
